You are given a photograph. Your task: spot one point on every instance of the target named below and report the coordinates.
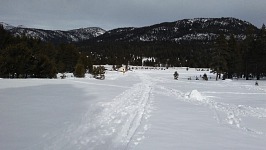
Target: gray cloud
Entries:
(109, 14)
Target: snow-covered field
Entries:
(140, 110)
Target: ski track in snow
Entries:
(122, 122)
(233, 112)
(119, 124)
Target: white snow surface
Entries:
(140, 110)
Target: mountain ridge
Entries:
(198, 29)
(186, 29)
(56, 36)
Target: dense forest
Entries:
(226, 55)
(22, 57)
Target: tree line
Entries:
(245, 58)
(227, 55)
(22, 57)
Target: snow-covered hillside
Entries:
(6, 26)
(75, 35)
(140, 110)
(197, 29)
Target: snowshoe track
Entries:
(233, 113)
(120, 123)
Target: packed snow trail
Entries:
(140, 110)
(233, 113)
(120, 123)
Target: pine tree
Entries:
(246, 49)
(80, 71)
(259, 53)
(98, 72)
(68, 55)
(44, 67)
(15, 61)
(205, 77)
(4, 37)
(176, 75)
(234, 59)
(86, 61)
(219, 56)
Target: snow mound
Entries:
(195, 94)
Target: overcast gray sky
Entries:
(110, 14)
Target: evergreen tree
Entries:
(68, 55)
(4, 37)
(15, 61)
(234, 59)
(86, 61)
(205, 77)
(80, 71)
(98, 72)
(219, 56)
(246, 48)
(176, 75)
(258, 53)
(44, 67)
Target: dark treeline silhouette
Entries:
(22, 57)
(226, 55)
(164, 53)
